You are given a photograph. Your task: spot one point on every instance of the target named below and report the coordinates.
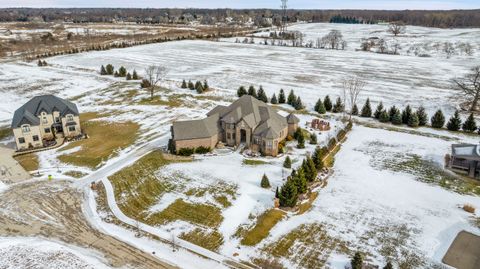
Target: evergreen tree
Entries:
(291, 98)
(262, 96)
(311, 168)
(455, 122)
(199, 87)
(438, 120)
(301, 141)
(357, 261)
(297, 133)
(252, 91)
(300, 181)
(44, 63)
(317, 158)
(40, 63)
(397, 118)
(129, 76)
(288, 194)
(287, 163)
(327, 103)
(276, 192)
(378, 111)
(355, 110)
(469, 125)
(116, 74)
(281, 97)
(298, 105)
(384, 117)
(184, 84)
(135, 75)
(103, 72)
(422, 116)
(122, 72)
(313, 139)
(388, 265)
(319, 107)
(205, 85)
(413, 120)
(367, 109)
(392, 112)
(241, 91)
(406, 114)
(338, 107)
(274, 100)
(109, 68)
(265, 183)
(191, 86)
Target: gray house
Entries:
(246, 121)
(465, 159)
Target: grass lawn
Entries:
(202, 214)
(75, 174)
(28, 161)
(5, 132)
(106, 138)
(206, 239)
(265, 223)
(253, 162)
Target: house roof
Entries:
(29, 112)
(292, 119)
(468, 151)
(196, 129)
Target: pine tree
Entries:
(265, 183)
(455, 122)
(300, 180)
(378, 111)
(317, 158)
(391, 112)
(287, 163)
(338, 107)
(205, 85)
(438, 120)
(413, 120)
(319, 107)
(184, 84)
(422, 116)
(355, 110)
(103, 72)
(281, 97)
(40, 63)
(327, 103)
(241, 91)
(367, 109)
(135, 75)
(116, 74)
(313, 139)
(129, 76)
(44, 63)
(274, 99)
(252, 91)
(109, 68)
(199, 87)
(276, 192)
(388, 265)
(261, 95)
(122, 72)
(288, 194)
(357, 261)
(384, 117)
(301, 141)
(397, 118)
(406, 114)
(469, 125)
(312, 170)
(298, 105)
(291, 98)
(297, 133)
(191, 86)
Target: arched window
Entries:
(25, 128)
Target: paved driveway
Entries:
(10, 170)
(464, 253)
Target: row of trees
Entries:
(121, 72)
(322, 107)
(292, 99)
(198, 86)
(349, 20)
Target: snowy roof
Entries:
(195, 129)
(466, 150)
(29, 112)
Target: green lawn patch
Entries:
(5, 132)
(29, 161)
(211, 240)
(253, 162)
(265, 223)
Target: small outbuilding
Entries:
(465, 159)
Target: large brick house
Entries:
(43, 119)
(246, 121)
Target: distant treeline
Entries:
(349, 20)
(260, 17)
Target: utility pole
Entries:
(283, 27)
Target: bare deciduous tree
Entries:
(469, 87)
(333, 40)
(154, 74)
(352, 87)
(396, 28)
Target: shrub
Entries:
(109, 68)
(384, 117)
(186, 151)
(145, 84)
(287, 163)
(469, 208)
(241, 91)
(331, 144)
(265, 183)
(184, 84)
(202, 150)
(341, 135)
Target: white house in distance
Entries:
(42, 120)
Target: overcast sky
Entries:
(299, 4)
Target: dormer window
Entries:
(25, 128)
(69, 117)
(44, 120)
